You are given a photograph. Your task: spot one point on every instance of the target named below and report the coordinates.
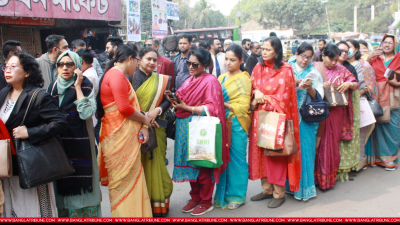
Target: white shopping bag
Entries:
(367, 116)
(202, 130)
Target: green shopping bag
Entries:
(205, 146)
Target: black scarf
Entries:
(76, 143)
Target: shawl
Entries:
(389, 96)
(63, 84)
(280, 91)
(339, 70)
(206, 91)
(239, 91)
(369, 78)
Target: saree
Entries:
(203, 91)
(308, 137)
(280, 91)
(385, 138)
(158, 180)
(120, 165)
(338, 125)
(368, 80)
(232, 186)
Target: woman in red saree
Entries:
(339, 124)
(274, 89)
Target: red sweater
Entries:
(115, 88)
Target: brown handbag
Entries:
(334, 97)
(5, 159)
(229, 131)
(151, 143)
(290, 146)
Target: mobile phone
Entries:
(141, 138)
(162, 123)
(308, 81)
(173, 97)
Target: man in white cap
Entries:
(227, 43)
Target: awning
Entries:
(395, 25)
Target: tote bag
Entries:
(205, 141)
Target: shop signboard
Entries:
(133, 20)
(27, 21)
(63, 9)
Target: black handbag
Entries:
(43, 162)
(375, 106)
(171, 120)
(314, 110)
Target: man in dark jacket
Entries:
(9, 47)
(252, 61)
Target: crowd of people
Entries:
(107, 120)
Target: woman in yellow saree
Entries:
(119, 154)
(150, 87)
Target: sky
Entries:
(225, 6)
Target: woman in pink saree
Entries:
(339, 125)
(201, 89)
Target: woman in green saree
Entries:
(149, 87)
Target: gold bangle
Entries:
(145, 126)
(193, 110)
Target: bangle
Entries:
(351, 84)
(193, 110)
(145, 126)
(160, 110)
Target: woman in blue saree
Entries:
(236, 89)
(302, 66)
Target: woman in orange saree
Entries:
(274, 90)
(119, 155)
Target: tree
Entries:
(146, 16)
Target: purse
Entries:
(5, 158)
(43, 162)
(334, 97)
(290, 145)
(314, 110)
(377, 109)
(151, 143)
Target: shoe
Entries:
(260, 197)
(234, 205)
(390, 169)
(275, 203)
(201, 210)
(190, 206)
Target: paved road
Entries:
(373, 193)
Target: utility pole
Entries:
(239, 14)
(355, 18)
(329, 25)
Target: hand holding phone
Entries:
(173, 97)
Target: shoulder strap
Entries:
(51, 93)
(33, 98)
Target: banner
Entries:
(172, 11)
(133, 20)
(27, 21)
(160, 19)
(64, 9)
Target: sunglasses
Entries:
(68, 64)
(193, 64)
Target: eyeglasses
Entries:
(68, 64)
(388, 43)
(148, 45)
(304, 57)
(344, 51)
(12, 68)
(193, 64)
(138, 60)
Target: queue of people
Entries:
(110, 129)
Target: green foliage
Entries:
(146, 15)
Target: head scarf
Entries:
(396, 42)
(62, 84)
